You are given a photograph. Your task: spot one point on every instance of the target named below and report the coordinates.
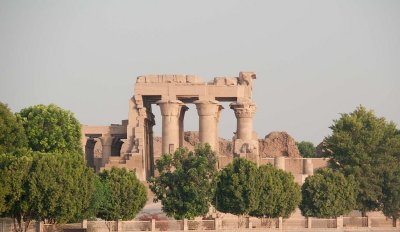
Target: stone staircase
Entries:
(130, 161)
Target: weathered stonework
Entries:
(277, 144)
(130, 144)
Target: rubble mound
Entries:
(191, 137)
(277, 144)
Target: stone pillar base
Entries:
(153, 224)
(339, 222)
(84, 224)
(185, 224)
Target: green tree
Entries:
(307, 149)
(279, 194)
(236, 188)
(55, 188)
(99, 200)
(391, 192)
(184, 183)
(359, 143)
(60, 188)
(51, 129)
(12, 134)
(328, 194)
(124, 195)
(14, 172)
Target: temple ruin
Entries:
(130, 144)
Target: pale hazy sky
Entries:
(313, 59)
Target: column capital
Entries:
(206, 107)
(244, 108)
(170, 107)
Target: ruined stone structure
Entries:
(278, 143)
(130, 144)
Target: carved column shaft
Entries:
(106, 142)
(308, 167)
(170, 111)
(244, 112)
(244, 144)
(244, 128)
(207, 111)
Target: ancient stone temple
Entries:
(130, 144)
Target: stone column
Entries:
(244, 112)
(207, 111)
(170, 111)
(106, 142)
(309, 222)
(245, 144)
(185, 224)
(280, 223)
(89, 152)
(181, 125)
(84, 224)
(308, 167)
(217, 224)
(279, 162)
(153, 224)
(339, 222)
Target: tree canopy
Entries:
(328, 194)
(391, 191)
(123, 195)
(279, 194)
(14, 172)
(12, 134)
(55, 188)
(60, 188)
(184, 182)
(359, 145)
(236, 188)
(306, 149)
(51, 129)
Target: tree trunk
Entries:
(18, 224)
(394, 222)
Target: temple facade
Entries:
(130, 144)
